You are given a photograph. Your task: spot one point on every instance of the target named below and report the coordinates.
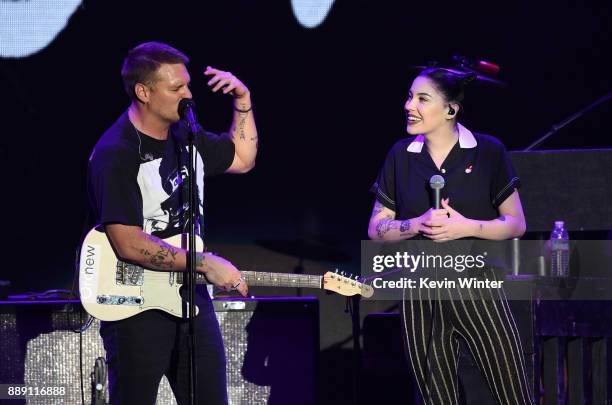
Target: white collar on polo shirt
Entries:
(466, 140)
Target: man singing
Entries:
(138, 190)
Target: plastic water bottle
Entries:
(559, 255)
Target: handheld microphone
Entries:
(436, 183)
(185, 110)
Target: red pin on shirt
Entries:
(468, 169)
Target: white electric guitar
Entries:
(112, 289)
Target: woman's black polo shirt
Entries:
(478, 176)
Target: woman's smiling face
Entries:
(426, 107)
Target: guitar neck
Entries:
(266, 279)
(258, 278)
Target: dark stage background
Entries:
(328, 103)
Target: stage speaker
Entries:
(271, 346)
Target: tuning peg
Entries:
(336, 271)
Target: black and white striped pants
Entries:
(483, 319)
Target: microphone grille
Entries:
(436, 182)
(184, 105)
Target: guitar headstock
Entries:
(345, 285)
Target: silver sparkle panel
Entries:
(52, 356)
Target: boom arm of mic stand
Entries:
(566, 121)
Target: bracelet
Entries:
(243, 111)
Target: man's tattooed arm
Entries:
(239, 129)
(164, 256)
(243, 110)
(199, 260)
(243, 134)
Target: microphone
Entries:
(436, 183)
(185, 110)
(482, 66)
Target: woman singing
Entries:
(479, 200)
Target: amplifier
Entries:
(271, 346)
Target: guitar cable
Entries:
(82, 326)
(74, 292)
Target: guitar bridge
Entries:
(129, 274)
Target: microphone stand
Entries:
(185, 109)
(566, 121)
(191, 267)
(537, 143)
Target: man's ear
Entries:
(143, 92)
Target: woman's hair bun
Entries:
(467, 78)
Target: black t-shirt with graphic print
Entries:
(137, 180)
(477, 180)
